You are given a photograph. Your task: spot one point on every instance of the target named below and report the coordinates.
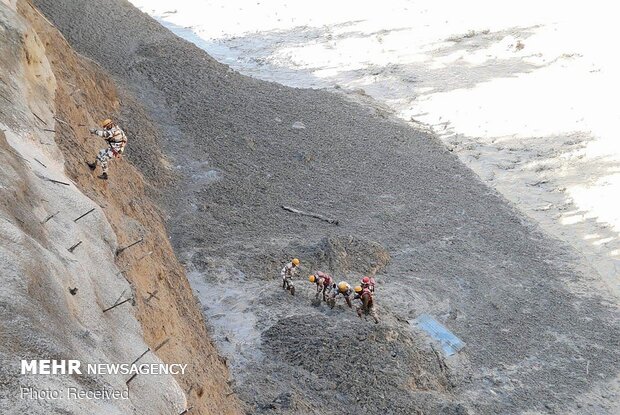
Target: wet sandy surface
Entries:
(541, 335)
(522, 94)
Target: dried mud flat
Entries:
(539, 337)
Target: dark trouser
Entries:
(366, 311)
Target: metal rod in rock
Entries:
(74, 246)
(118, 251)
(62, 122)
(39, 118)
(313, 215)
(80, 217)
(137, 260)
(40, 163)
(151, 296)
(58, 182)
(141, 356)
(117, 304)
(121, 296)
(50, 217)
(162, 344)
(184, 411)
(131, 378)
(48, 130)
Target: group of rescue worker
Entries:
(325, 284)
(330, 291)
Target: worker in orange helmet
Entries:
(287, 273)
(343, 288)
(323, 283)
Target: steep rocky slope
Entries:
(539, 336)
(49, 95)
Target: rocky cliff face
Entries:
(49, 96)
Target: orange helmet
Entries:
(105, 123)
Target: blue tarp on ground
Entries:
(449, 342)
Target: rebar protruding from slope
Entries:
(38, 118)
(50, 217)
(120, 296)
(74, 246)
(137, 260)
(141, 356)
(57, 181)
(162, 344)
(35, 159)
(80, 217)
(151, 296)
(62, 122)
(118, 251)
(130, 379)
(184, 411)
(117, 304)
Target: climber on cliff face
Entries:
(116, 139)
(287, 274)
(323, 283)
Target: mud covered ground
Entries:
(539, 337)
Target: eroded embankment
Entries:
(538, 336)
(50, 96)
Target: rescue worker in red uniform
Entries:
(367, 306)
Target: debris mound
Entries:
(364, 365)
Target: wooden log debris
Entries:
(312, 215)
